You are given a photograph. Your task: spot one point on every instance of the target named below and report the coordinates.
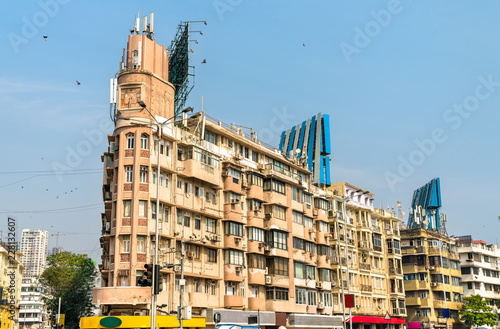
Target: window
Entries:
(211, 225)
(276, 211)
(297, 217)
(233, 228)
(256, 234)
(179, 184)
(321, 204)
(277, 239)
(187, 219)
(129, 174)
(277, 266)
(377, 242)
(275, 186)
(255, 179)
(179, 217)
(298, 243)
(324, 274)
(126, 208)
(187, 188)
(144, 141)
(211, 255)
(162, 176)
(308, 221)
(210, 137)
(126, 244)
(199, 192)
(154, 176)
(311, 297)
(276, 293)
(230, 288)
(166, 213)
(234, 173)
(197, 222)
(234, 257)
(299, 270)
(255, 156)
(142, 208)
(256, 261)
(300, 296)
(140, 244)
(130, 141)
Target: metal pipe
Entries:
(347, 257)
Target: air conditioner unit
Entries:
(319, 285)
(234, 200)
(261, 245)
(303, 251)
(334, 283)
(432, 268)
(269, 215)
(268, 279)
(258, 208)
(190, 254)
(215, 238)
(427, 267)
(434, 284)
(237, 268)
(237, 240)
(321, 305)
(315, 212)
(139, 313)
(267, 248)
(260, 166)
(266, 271)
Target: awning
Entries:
(413, 325)
(375, 319)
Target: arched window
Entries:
(130, 141)
(144, 141)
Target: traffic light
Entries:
(158, 280)
(146, 280)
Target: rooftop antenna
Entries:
(145, 24)
(151, 30)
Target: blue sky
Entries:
(393, 75)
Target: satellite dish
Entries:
(297, 151)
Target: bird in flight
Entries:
(204, 61)
(45, 37)
(78, 82)
(303, 44)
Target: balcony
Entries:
(365, 266)
(270, 170)
(395, 271)
(233, 301)
(365, 245)
(366, 287)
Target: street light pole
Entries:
(159, 127)
(347, 256)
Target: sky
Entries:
(412, 89)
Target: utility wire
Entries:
(51, 174)
(86, 207)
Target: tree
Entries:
(475, 312)
(71, 277)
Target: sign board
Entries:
(446, 313)
(349, 300)
(387, 316)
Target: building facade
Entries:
(254, 234)
(480, 266)
(431, 267)
(11, 275)
(32, 312)
(34, 249)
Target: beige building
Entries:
(429, 259)
(262, 244)
(11, 275)
(34, 249)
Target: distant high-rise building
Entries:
(34, 250)
(56, 250)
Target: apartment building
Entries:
(480, 268)
(9, 301)
(433, 283)
(32, 309)
(34, 249)
(262, 243)
(371, 238)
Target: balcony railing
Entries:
(366, 287)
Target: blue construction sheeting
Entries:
(312, 137)
(425, 206)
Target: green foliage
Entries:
(71, 277)
(475, 312)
